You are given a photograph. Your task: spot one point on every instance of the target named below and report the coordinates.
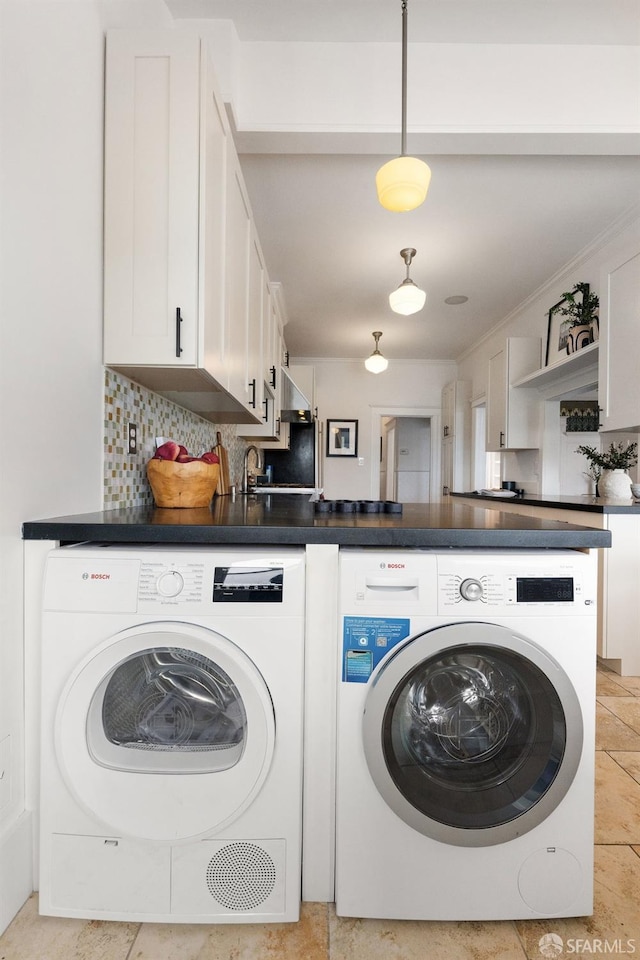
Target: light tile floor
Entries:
(614, 928)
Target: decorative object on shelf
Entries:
(609, 468)
(376, 363)
(583, 416)
(407, 298)
(573, 323)
(402, 183)
(342, 438)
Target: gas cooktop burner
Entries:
(357, 506)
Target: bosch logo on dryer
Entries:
(392, 566)
(96, 576)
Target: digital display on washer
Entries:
(544, 589)
(240, 584)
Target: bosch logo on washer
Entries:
(365, 641)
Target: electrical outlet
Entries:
(132, 435)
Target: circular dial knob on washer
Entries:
(471, 589)
(170, 584)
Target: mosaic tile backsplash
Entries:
(125, 402)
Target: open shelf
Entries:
(574, 363)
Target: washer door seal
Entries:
(472, 733)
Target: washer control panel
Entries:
(502, 585)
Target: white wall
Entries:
(346, 390)
(51, 376)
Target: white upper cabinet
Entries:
(512, 412)
(152, 176)
(619, 358)
(184, 274)
(456, 436)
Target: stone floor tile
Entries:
(354, 939)
(32, 937)
(609, 685)
(628, 760)
(617, 805)
(612, 733)
(614, 927)
(305, 940)
(626, 709)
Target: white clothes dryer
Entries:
(465, 734)
(172, 699)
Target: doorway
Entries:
(408, 467)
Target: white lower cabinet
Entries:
(183, 269)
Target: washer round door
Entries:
(165, 732)
(472, 733)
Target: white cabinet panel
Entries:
(619, 369)
(512, 412)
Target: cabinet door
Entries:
(619, 373)
(448, 409)
(152, 116)
(497, 401)
(238, 240)
(213, 164)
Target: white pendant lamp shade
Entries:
(376, 363)
(407, 298)
(402, 184)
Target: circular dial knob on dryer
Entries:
(170, 584)
(471, 589)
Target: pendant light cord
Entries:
(403, 141)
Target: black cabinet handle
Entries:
(273, 377)
(277, 426)
(502, 438)
(252, 387)
(265, 415)
(178, 322)
(286, 358)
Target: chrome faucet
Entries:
(245, 474)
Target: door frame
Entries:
(388, 410)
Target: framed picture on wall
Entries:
(342, 438)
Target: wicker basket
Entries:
(175, 484)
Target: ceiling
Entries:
(495, 226)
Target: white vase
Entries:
(614, 485)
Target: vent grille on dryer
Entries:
(241, 876)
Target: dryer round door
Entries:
(165, 732)
(472, 733)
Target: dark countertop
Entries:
(290, 519)
(593, 504)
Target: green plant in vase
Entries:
(609, 467)
(580, 308)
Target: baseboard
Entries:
(16, 868)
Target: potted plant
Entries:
(579, 307)
(609, 468)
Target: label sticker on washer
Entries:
(366, 640)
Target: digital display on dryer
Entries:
(544, 590)
(240, 584)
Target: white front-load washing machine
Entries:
(465, 734)
(171, 755)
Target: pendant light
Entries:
(402, 183)
(408, 298)
(376, 363)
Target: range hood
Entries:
(296, 408)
